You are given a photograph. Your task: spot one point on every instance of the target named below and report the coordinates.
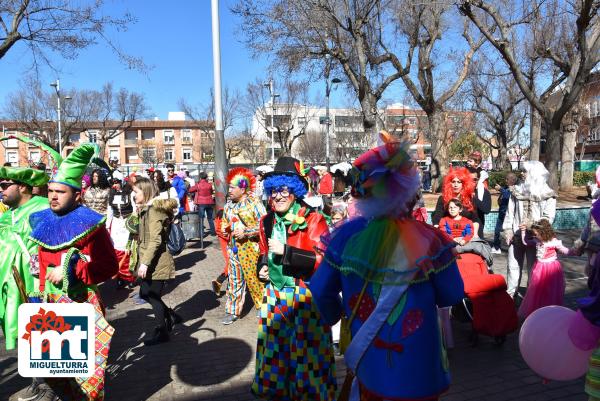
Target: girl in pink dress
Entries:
(547, 281)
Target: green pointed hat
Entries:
(29, 176)
(71, 170)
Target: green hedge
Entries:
(580, 178)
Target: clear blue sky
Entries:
(174, 37)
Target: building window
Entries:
(412, 121)
(169, 155)
(92, 136)
(187, 155)
(34, 156)
(168, 137)
(113, 154)
(12, 157)
(148, 154)
(301, 121)
(74, 138)
(147, 135)
(186, 135)
(11, 143)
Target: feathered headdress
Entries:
(242, 178)
(385, 178)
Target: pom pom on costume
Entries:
(242, 178)
(384, 179)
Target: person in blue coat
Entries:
(393, 273)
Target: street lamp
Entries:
(56, 86)
(328, 86)
(273, 96)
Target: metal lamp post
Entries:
(328, 86)
(56, 86)
(273, 96)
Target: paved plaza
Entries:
(208, 361)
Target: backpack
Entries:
(176, 240)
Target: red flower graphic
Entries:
(44, 321)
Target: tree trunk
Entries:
(568, 157)
(368, 107)
(534, 134)
(552, 153)
(439, 149)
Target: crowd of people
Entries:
(347, 261)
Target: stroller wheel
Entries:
(499, 340)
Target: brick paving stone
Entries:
(208, 361)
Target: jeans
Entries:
(208, 210)
(150, 291)
(498, 229)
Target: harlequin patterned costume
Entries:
(393, 273)
(294, 357)
(242, 253)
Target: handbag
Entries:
(176, 240)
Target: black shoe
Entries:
(172, 319)
(160, 336)
(121, 284)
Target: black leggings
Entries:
(150, 291)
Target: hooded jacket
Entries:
(155, 223)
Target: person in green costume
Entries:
(16, 186)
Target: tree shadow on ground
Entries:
(143, 371)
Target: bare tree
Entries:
(35, 111)
(116, 111)
(287, 119)
(253, 147)
(310, 147)
(325, 38)
(151, 152)
(112, 112)
(497, 100)
(61, 26)
(564, 38)
(204, 117)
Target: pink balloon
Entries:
(547, 348)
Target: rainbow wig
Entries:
(468, 187)
(385, 180)
(292, 182)
(242, 178)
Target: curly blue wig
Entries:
(292, 182)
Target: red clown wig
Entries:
(468, 187)
(242, 178)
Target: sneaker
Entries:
(44, 393)
(29, 393)
(496, 250)
(229, 319)
(160, 336)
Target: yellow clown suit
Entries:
(240, 225)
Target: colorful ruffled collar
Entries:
(54, 232)
(295, 217)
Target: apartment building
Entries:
(140, 143)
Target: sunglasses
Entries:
(6, 185)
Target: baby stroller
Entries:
(487, 305)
